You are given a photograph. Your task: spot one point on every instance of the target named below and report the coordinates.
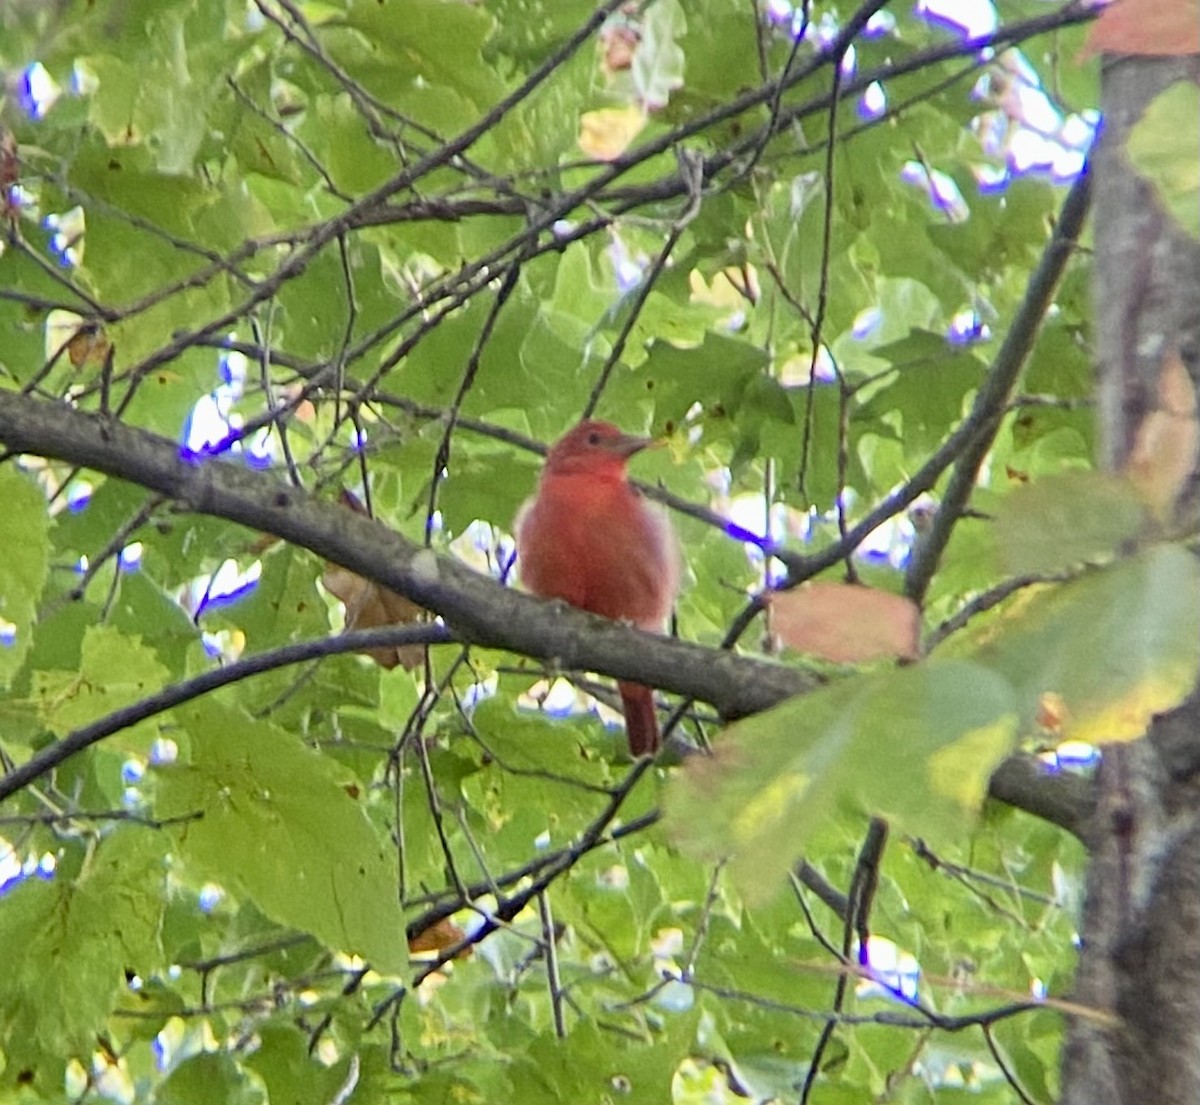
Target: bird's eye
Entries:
(593, 438)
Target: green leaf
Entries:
(283, 607)
(208, 1077)
(715, 374)
(115, 671)
(1060, 521)
(486, 482)
(284, 1061)
(1164, 146)
(78, 933)
(433, 53)
(597, 1065)
(282, 827)
(915, 743)
(23, 567)
(928, 392)
(657, 69)
(1116, 646)
(222, 157)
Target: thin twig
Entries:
(855, 927)
(553, 978)
(691, 169)
(441, 461)
(177, 694)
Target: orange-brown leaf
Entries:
(369, 606)
(1156, 28)
(618, 44)
(10, 175)
(846, 623)
(88, 345)
(10, 169)
(1167, 445)
(1051, 713)
(438, 937)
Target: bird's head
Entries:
(598, 447)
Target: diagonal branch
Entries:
(992, 399)
(475, 607)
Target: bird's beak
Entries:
(628, 444)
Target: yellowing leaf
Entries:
(916, 743)
(769, 806)
(606, 134)
(1112, 647)
(1126, 717)
(1167, 446)
(115, 670)
(953, 770)
(77, 936)
(1065, 520)
(846, 623)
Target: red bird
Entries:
(589, 538)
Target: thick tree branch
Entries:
(1060, 797)
(475, 607)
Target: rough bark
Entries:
(1140, 960)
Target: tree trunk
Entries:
(1140, 960)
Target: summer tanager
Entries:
(589, 538)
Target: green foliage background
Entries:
(287, 180)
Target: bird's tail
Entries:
(641, 723)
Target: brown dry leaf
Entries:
(10, 169)
(1157, 28)
(606, 134)
(438, 937)
(10, 175)
(88, 345)
(304, 411)
(368, 606)
(1167, 446)
(262, 543)
(618, 44)
(846, 623)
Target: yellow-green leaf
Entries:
(916, 744)
(115, 670)
(1115, 646)
(1059, 521)
(72, 938)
